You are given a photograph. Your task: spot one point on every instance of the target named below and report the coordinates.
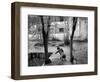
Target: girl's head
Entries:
(58, 47)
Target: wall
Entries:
(5, 40)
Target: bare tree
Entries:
(45, 32)
(66, 33)
(71, 39)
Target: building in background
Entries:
(59, 29)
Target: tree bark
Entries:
(71, 39)
(45, 36)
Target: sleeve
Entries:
(56, 52)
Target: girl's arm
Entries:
(56, 52)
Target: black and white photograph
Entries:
(57, 40)
(53, 40)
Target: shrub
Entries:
(66, 42)
(55, 39)
(38, 44)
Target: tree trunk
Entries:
(45, 37)
(71, 40)
(66, 33)
(47, 60)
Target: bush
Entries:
(62, 44)
(55, 39)
(38, 44)
(66, 42)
